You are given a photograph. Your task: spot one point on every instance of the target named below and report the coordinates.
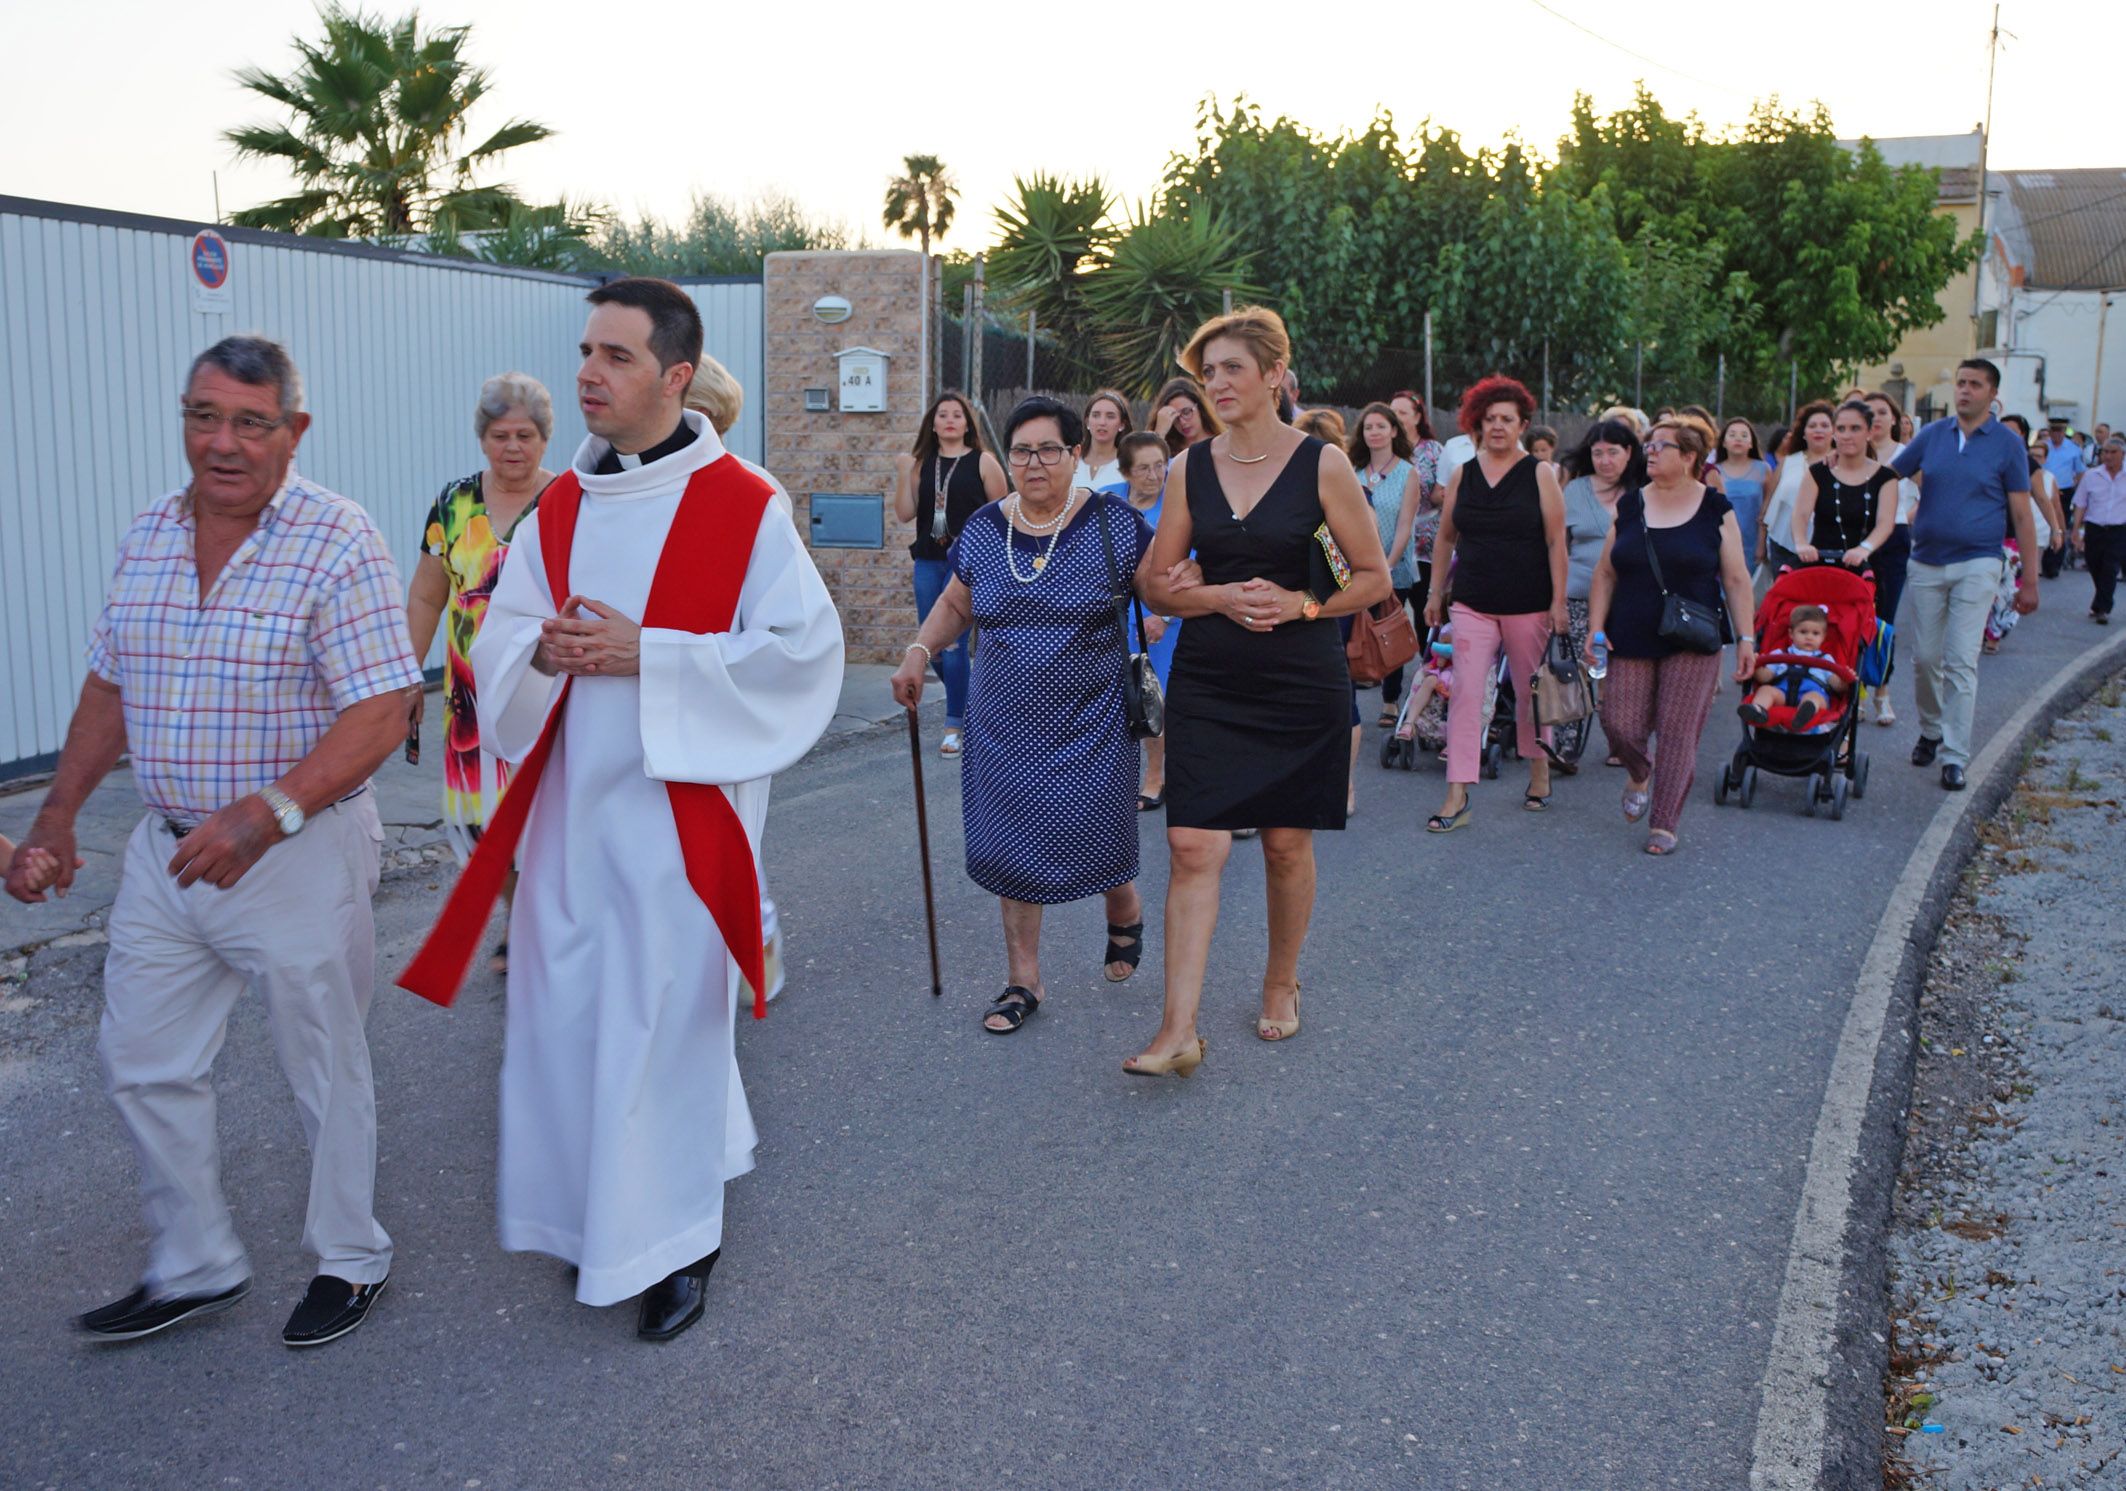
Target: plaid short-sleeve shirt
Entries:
(223, 695)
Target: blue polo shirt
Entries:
(1964, 484)
(2066, 463)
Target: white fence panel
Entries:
(97, 327)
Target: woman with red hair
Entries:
(1503, 518)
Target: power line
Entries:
(1641, 56)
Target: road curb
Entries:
(1819, 1419)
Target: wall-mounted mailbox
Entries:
(863, 379)
(848, 520)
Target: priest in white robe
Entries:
(622, 1112)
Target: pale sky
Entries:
(820, 100)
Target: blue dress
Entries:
(1049, 770)
(1163, 649)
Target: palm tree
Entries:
(919, 202)
(1051, 237)
(376, 133)
(1166, 275)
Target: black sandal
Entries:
(1015, 1004)
(1120, 951)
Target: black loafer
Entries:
(672, 1305)
(140, 1314)
(1924, 750)
(332, 1308)
(1952, 778)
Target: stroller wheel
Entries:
(1839, 788)
(1748, 785)
(1724, 785)
(1494, 753)
(1388, 753)
(1809, 802)
(1860, 776)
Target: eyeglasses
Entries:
(1047, 455)
(249, 427)
(1655, 447)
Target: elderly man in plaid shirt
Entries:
(253, 654)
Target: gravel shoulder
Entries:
(2008, 1247)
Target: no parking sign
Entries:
(207, 262)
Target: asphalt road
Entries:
(1510, 1212)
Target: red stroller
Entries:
(1827, 756)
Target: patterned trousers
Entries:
(1668, 697)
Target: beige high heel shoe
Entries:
(1267, 1029)
(1180, 1064)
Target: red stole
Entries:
(695, 589)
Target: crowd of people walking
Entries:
(1163, 620)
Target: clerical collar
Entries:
(612, 463)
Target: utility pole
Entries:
(2096, 391)
(1428, 362)
(979, 317)
(1985, 140)
(1029, 350)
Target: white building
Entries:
(2052, 293)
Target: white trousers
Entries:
(299, 930)
(1945, 610)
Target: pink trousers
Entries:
(1477, 639)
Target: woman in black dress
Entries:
(1259, 717)
(947, 456)
(1847, 505)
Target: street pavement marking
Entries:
(1793, 1411)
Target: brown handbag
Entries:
(1382, 640)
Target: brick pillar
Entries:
(836, 452)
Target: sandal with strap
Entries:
(1124, 945)
(1273, 1031)
(1014, 1006)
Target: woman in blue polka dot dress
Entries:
(1049, 774)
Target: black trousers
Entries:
(2050, 560)
(2104, 546)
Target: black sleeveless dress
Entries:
(1258, 723)
(1845, 514)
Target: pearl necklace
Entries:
(1053, 528)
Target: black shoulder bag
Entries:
(1141, 695)
(1690, 625)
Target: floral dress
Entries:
(459, 534)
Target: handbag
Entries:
(1561, 693)
(1382, 640)
(1691, 625)
(1142, 698)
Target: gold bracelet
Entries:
(918, 647)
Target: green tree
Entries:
(1834, 255)
(376, 133)
(556, 236)
(1167, 274)
(715, 237)
(1051, 235)
(920, 201)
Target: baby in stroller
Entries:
(1435, 685)
(1805, 688)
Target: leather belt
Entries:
(181, 830)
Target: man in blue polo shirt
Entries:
(1974, 481)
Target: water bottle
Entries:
(1598, 644)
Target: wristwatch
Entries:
(1309, 608)
(286, 812)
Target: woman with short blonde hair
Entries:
(1259, 720)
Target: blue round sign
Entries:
(210, 259)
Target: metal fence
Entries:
(99, 319)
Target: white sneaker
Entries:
(950, 745)
(1885, 715)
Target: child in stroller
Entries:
(1804, 681)
(1854, 649)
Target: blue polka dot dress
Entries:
(1049, 771)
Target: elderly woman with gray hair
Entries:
(462, 546)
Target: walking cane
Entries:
(922, 835)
